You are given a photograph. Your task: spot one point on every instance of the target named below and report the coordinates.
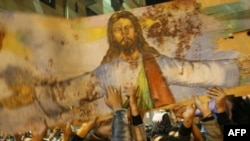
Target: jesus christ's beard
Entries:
(128, 48)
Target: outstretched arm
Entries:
(213, 130)
(186, 127)
(200, 73)
(120, 124)
(138, 128)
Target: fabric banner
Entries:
(58, 69)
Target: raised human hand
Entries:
(220, 96)
(189, 111)
(113, 99)
(188, 115)
(133, 102)
(178, 110)
(86, 127)
(203, 106)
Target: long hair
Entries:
(113, 51)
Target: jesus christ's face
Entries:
(124, 35)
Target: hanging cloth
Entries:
(159, 90)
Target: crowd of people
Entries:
(182, 123)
